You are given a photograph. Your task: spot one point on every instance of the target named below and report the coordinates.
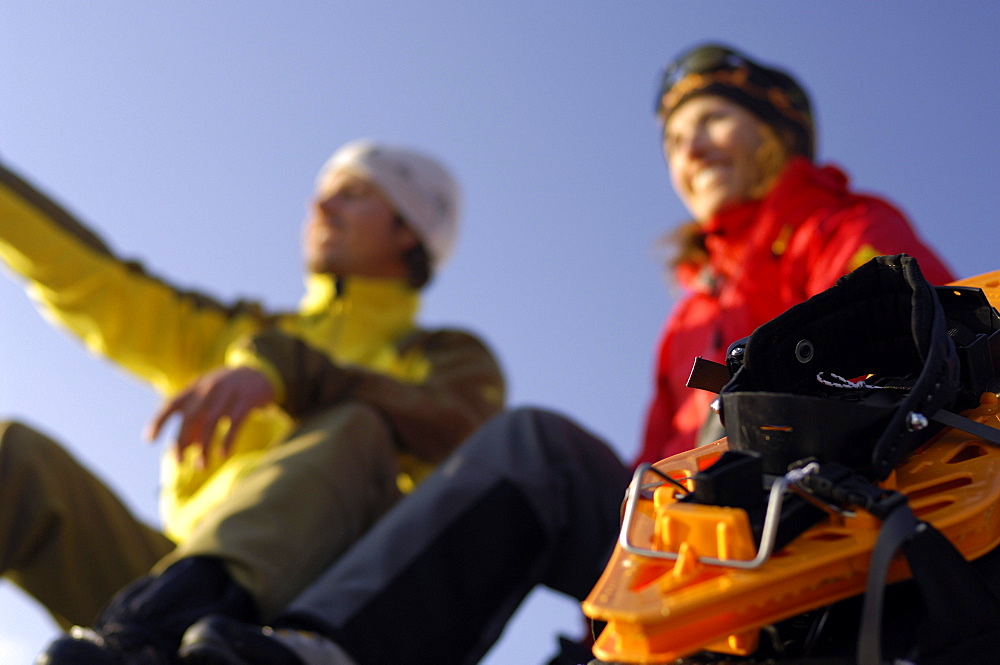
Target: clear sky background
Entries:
(188, 134)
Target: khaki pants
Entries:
(290, 516)
(71, 544)
(65, 538)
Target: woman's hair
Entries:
(683, 245)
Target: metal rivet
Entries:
(804, 351)
(916, 421)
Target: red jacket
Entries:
(764, 257)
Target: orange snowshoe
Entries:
(829, 486)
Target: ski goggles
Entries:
(700, 61)
(720, 68)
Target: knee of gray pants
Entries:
(558, 465)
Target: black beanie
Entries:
(770, 94)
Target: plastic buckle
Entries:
(840, 485)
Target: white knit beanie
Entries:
(419, 187)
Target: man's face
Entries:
(351, 229)
(712, 145)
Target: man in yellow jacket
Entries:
(297, 429)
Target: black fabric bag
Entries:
(799, 389)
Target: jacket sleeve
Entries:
(164, 335)
(461, 388)
(854, 235)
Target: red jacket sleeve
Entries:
(837, 243)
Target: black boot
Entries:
(221, 641)
(85, 646)
(144, 622)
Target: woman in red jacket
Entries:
(770, 227)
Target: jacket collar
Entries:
(733, 233)
(359, 315)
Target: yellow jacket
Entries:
(353, 340)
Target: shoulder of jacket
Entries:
(852, 212)
(438, 337)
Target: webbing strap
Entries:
(950, 419)
(900, 525)
(959, 609)
(708, 375)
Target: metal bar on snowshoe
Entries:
(769, 531)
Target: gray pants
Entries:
(529, 499)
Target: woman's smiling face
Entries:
(713, 149)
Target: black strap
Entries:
(967, 425)
(708, 375)
(897, 528)
(960, 609)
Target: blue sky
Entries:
(188, 134)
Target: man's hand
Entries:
(229, 393)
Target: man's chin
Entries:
(322, 266)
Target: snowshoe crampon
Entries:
(789, 515)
